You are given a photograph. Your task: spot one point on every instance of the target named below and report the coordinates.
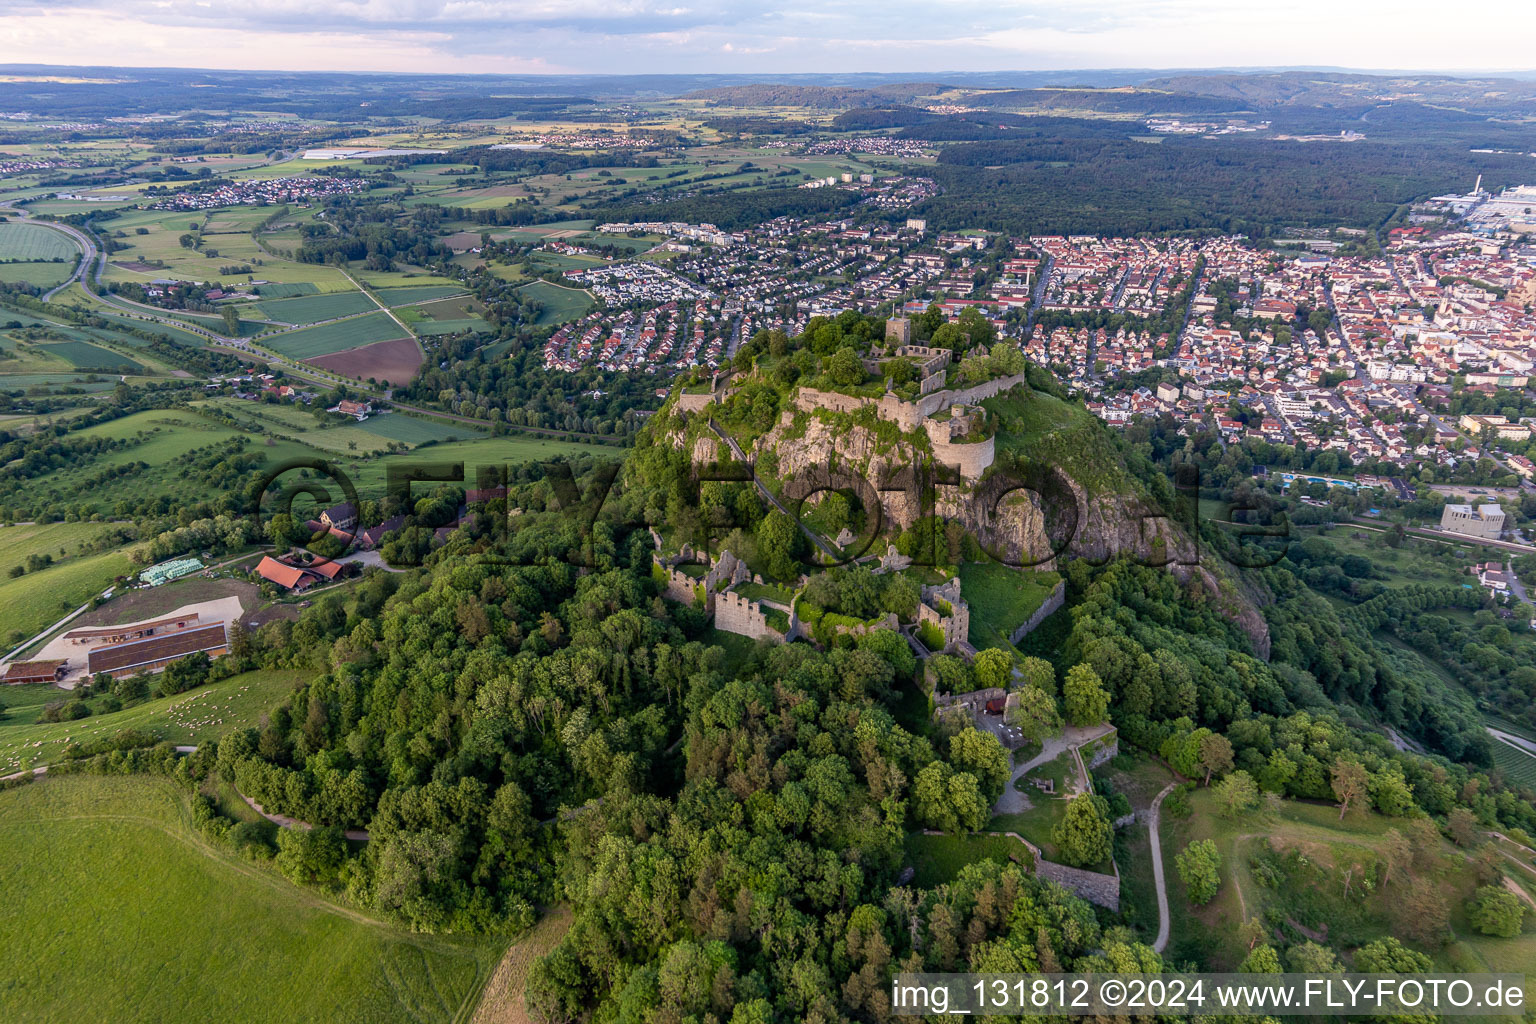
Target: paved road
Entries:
(1161, 942)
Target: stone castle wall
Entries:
(906, 415)
(1093, 886)
(972, 459)
(736, 614)
(1047, 607)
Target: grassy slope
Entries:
(1209, 933)
(37, 599)
(126, 915)
(196, 716)
(1001, 599)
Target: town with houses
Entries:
(1313, 345)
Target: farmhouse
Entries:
(18, 672)
(154, 653)
(340, 517)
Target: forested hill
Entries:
(729, 825)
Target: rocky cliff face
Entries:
(1034, 522)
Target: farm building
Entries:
(93, 635)
(165, 572)
(373, 536)
(342, 517)
(154, 653)
(18, 672)
(294, 577)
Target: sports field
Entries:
(125, 913)
(311, 308)
(35, 242)
(328, 339)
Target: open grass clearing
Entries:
(43, 275)
(560, 304)
(936, 860)
(124, 910)
(33, 601)
(197, 716)
(1001, 599)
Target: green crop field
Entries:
(409, 295)
(560, 304)
(488, 451)
(286, 291)
(34, 242)
(1518, 766)
(125, 913)
(83, 354)
(195, 717)
(430, 328)
(310, 308)
(44, 275)
(176, 334)
(336, 337)
(57, 382)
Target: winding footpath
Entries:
(1161, 942)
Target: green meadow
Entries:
(121, 912)
(197, 716)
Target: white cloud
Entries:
(662, 36)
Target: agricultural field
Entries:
(410, 295)
(157, 437)
(83, 355)
(1516, 762)
(124, 908)
(197, 716)
(310, 309)
(414, 430)
(332, 338)
(60, 541)
(44, 275)
(32, 243)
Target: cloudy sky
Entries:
(661, 36)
